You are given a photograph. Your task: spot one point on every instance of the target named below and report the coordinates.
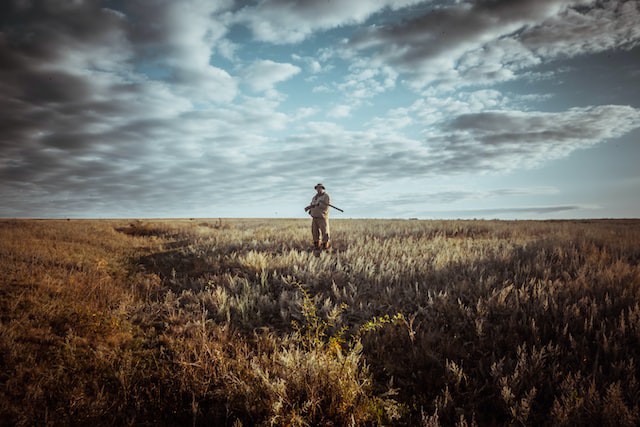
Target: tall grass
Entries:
(235, 322)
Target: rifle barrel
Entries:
(335, 208)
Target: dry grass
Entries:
(234, 322)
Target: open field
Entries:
(235, 322)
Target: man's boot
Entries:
(327, 245)
(316, 244)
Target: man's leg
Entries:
(324, 228)
(315, 232)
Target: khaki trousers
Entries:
(320, 228)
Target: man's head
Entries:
(319, 188)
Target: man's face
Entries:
(320, 190)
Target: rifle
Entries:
(334, 207)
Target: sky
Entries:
(434, 109)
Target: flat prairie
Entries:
(236, 322)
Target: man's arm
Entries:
(311, 205)
(325, 200)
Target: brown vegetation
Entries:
(235, 322)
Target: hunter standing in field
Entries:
(319, 211)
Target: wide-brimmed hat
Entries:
(319, 185)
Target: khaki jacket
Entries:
(320, 205)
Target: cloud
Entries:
(339, 111)
(604, 26)
(575, 31)
(431, 44)
(312, 64)
(292, 21)
(492, 41)
(505, 140)
(77, 68)
(365, 82)
(435, 108)
(177, 40)
(467, 144)
(224, 157)
(263, 74)
(100, 107)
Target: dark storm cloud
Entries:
(42, 31)
(503, 140)
(79, 118)
(443, 31)
(600, 27)
(41, 48)
(48, 45)
(578, 124)
(492, 41)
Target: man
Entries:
(319, 211)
